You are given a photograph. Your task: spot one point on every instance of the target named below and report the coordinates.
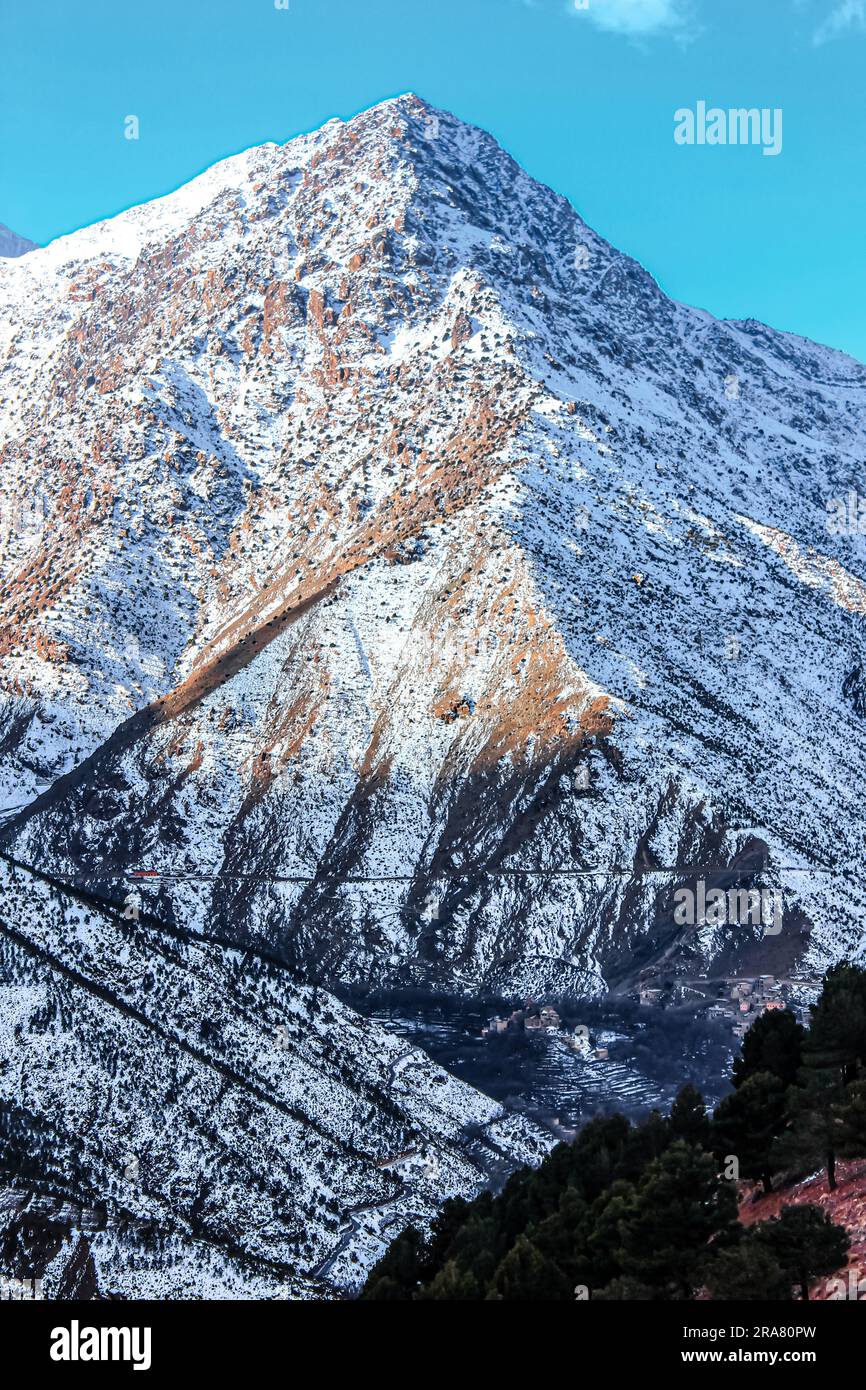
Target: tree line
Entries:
(650, 1210)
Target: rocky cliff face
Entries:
(391, 566)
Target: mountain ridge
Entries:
(223, 1120)
(13, 245)
(445, 368)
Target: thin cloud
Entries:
(851, 14)
(636, 17)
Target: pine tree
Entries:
(851, 1117)
(774, 1043)
(451, 1283)
(689, 1119)
(806, 1244)
(608, 1221)
(748, 1271)
(746, 1122)
(397, 1274)
(597, 1153)
(562, 1237)
(834, 1053)
(445, 1225)
(680, 1204)
(525, 1275)
(383, 1289)
(646, 1141)
(837, 1034)
(811, 1134)
(625, 1289)
(479, 1245)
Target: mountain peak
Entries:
(431, 486)
(394, 585)
(11, 244)
(408, 102)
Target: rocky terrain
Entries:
(398, 589)
(394, 568)
(205, 1124)
(846, 1207)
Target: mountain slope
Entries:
(11, 244)
(374, 539)
(846, 1207)
(215, 1128)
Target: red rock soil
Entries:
(846, 1206)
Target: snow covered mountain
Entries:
(391, 566)
(11, 244)
(183, 1121)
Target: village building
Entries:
(494, 1026)
(578, 1041)
(650, 996)
(530, 1017)
(546, 1018)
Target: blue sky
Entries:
(583, 98)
